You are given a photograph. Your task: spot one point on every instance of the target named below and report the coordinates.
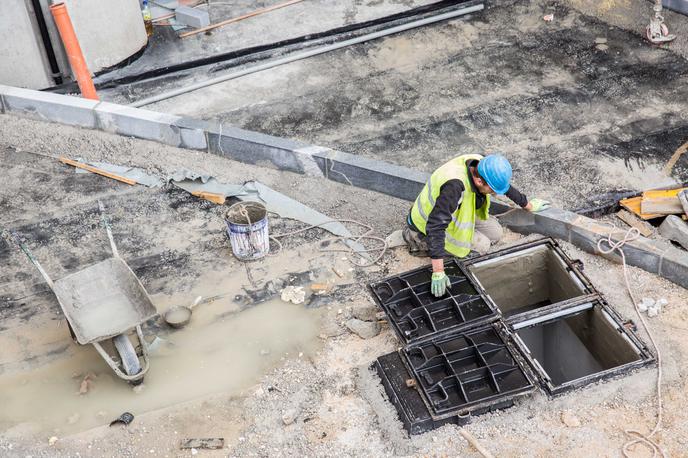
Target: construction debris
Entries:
(128, 175)
(209, 444)
(652, 307)
(664, 202)
(293, 294)
(683, 198)
(363, 329)
(633, 221)
(675, 229)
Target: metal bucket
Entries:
(247, 228)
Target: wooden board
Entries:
(92, 169)
(661, 205)
(632, 204)
(662, 193)
(633, 221)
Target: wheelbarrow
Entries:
(105, 303)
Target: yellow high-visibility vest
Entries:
(459, 234)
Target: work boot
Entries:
(417, 243)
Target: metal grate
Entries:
(416, 314)
(460, 370)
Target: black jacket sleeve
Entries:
(440, 216)
(517, 197)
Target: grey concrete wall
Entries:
(284, 154)
(22, 62)
(108, 31)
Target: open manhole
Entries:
(513, 319)
(522, 279)
(579, 345)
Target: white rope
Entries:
(637, 436)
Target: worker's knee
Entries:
(490, 228)
(480, 243)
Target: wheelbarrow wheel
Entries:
(128, 356)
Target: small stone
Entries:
(645, 304)
(366, 312)
(569, 419)
(52, 440)
(600, 40)
(364, 329)
(84, 387)
(289, 416)
(602, 47)
(293, 294)
(194, 451)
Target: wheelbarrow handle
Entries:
(104, 219)
(33, 260)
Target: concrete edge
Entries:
(290, 155)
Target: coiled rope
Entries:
(637, 436)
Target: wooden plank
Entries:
(211, 196)
(239, 18)
(633, 221)
(662, 193)
(92, 169)
(212, 443)
(632, 204)
(661, 205)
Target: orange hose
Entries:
(74, 54)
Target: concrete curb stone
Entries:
(298, 157)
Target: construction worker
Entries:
(450, 216)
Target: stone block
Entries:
(135, 122)
(255, 148)
(675, 229)
(44, 106)
(674, 266)
(193, 17)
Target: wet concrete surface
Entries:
(576, 119)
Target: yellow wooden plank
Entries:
(662, 193)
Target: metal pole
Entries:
(306, 54)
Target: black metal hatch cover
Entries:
(461, 370)
(416, 315)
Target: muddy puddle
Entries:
(221, 350)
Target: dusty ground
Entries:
(576, 100)
(172, 240)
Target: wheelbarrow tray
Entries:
(103, 301)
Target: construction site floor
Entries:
(584, 108)
(298, 383)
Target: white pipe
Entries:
(306, 54)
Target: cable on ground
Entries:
(636, 436)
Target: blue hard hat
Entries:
(496, 171)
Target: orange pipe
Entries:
(74, 54)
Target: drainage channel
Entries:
(513, 321)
